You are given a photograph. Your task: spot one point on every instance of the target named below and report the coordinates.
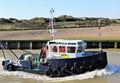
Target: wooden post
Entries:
(30, 45)
(100, 45)
(115, 44)
(6, 43)
(18, 45)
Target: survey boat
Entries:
(62, 58)
(58, 58)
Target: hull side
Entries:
(65, 67)
(86, 61)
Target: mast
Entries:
(52, 31)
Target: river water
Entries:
(111, 74)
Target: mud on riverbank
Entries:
(73, 33)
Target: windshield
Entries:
(79, 49)
(71, 49)
(62, 49)
(53, 48)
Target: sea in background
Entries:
(110, 74)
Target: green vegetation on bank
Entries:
(101, 39)
(61, 22)
(87, 39)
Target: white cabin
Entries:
(65, 48)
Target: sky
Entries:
(27, 9)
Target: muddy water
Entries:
(111, 74)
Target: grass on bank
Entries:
(101, 39)
(87, 39)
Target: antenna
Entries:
(52, 31)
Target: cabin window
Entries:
(71, 49)
(62, 49)
(79, 49)
(53, 48)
